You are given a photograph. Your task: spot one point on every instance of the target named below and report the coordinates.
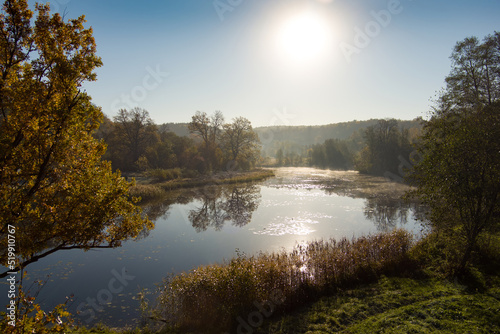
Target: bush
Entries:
(440, 254)
(29, 316)
(436, 253)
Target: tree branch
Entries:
(40, 256)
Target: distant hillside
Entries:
(296, 138)
(180, 129)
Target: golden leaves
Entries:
(53, 185)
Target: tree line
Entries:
(136, 144)
(377, 149)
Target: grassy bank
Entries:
(398, 305)
(147, 189)
(389, 305)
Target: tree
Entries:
(134, 132)
(474, 80)
(458, 175)
(279, 157)
(385, 144)
(161, 154)
(54, 188)
(240, 143)
(208, 129)
(333, 153)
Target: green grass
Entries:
(397, 305)
(389, 305)
(376, 284)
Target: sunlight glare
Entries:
(303, 38)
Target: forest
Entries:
(135, 144)
(373, 147)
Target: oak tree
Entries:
(134, 132)
(54, 188)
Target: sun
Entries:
(303, 38)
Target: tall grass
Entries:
(147, 192)
(160, 175)
(215, 296)
(158, 190)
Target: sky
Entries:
(276, 62)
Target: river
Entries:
(213, 223)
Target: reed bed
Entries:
(218, 179)
(160, 175)
(146, 192)
(216, 296)
(154, 191)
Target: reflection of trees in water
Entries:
(383, 200)
(241, 203)
(387, 212)
(221, 204)
(160, 208)
(210, 212)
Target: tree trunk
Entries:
(466, 256)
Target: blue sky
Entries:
(277, 62)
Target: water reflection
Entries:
(214, 206)
(222, 204)
(160, 208)
(384, 204)
(386, 213)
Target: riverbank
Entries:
(230, 287)
(402, 292)
(148, 190)
(390, 305)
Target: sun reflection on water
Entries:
(286, 225)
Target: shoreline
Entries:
(148, 190)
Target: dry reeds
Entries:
(146, 192)
(215, 296)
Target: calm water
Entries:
(209, 224)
